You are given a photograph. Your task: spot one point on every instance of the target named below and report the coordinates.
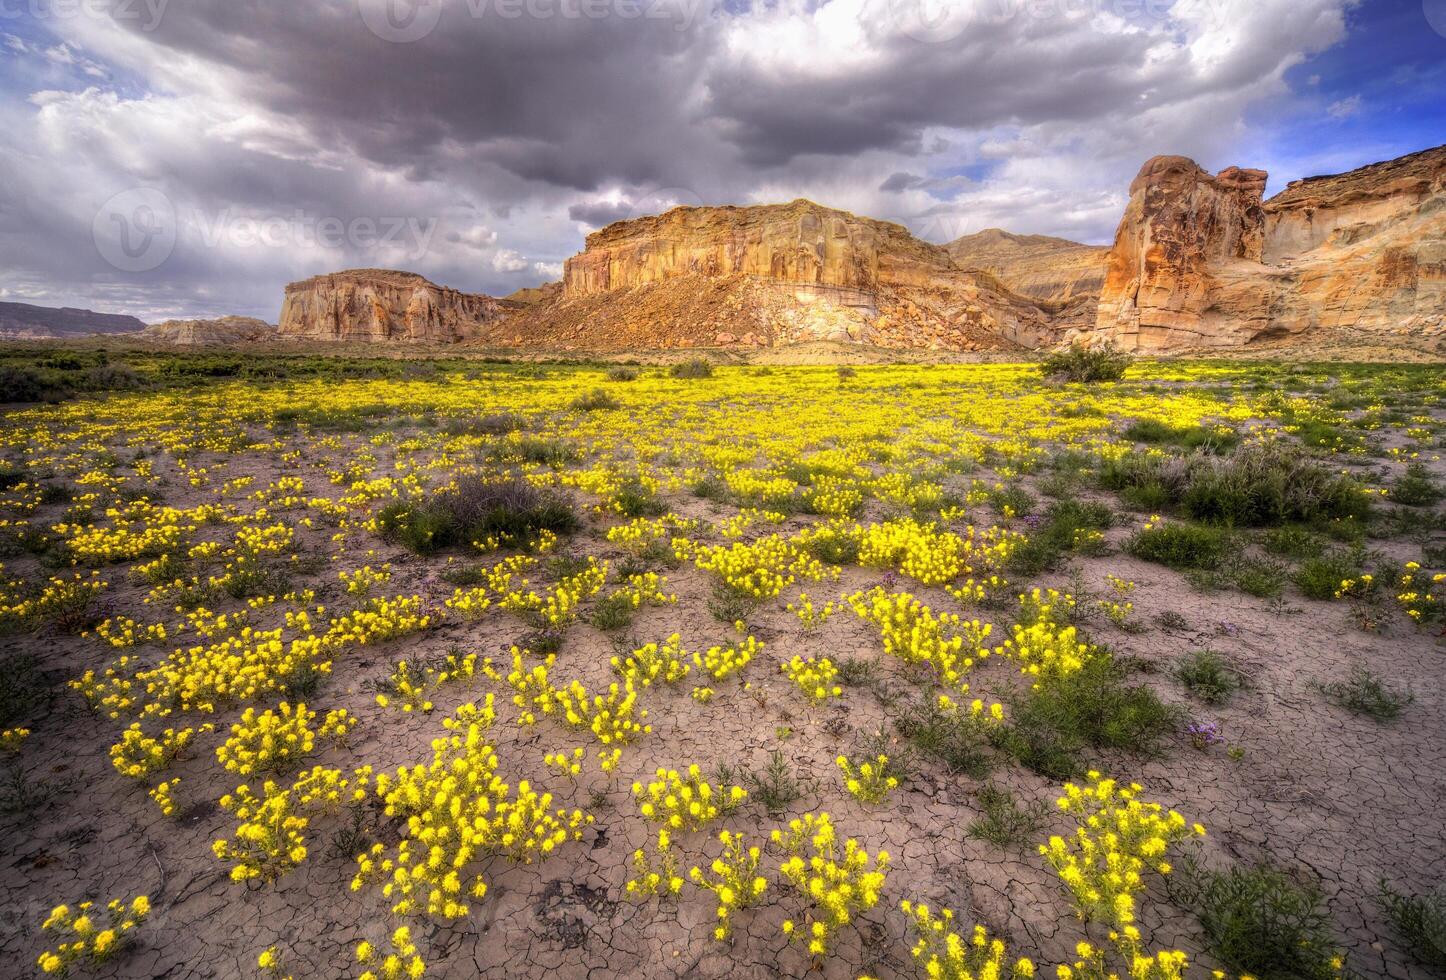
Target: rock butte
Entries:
(381, 304)
(223, 331)
(1198, 261)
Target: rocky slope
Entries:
(1203, 261)
(225, 331)
(381, 304)
(22, 320)
(1036, 266)
(772, 274)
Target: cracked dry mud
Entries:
(1349, 799)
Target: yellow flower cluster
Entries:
(685, 802)
(269, 839)
(758, 570)
(122, 632)
(656, 874)
(409, 687)
(12, 738)
(1420, 603)
(1119, 836)
(811, 618)
(566, 764)
(364, 579)
(559, 607)
(911, 632)
(277, 740)
(837, 884)
(721, 663)
(917, 550)
(613, 718)
(164, 796)
(666, 663)
(401, 963)
(137, 755)
(83, 939)
(458, 810)
(869, 781)
(946, 955)
(380, 620)
(813, 677)
(735, 880)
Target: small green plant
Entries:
(1366, 694)
(622, 373)
(774, 785)
(1180, 546)
(1420, 921)
(956, 739)
(1262, 579)
(1208, 676)
(1086, 364)
(1259, 921)
(1005, 823)
(1016, 499)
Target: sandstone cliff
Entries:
(222, 332)
(772, 274)
(1037, 266)
(1203, 261)
(380, 304)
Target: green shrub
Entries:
(1045, 545)
(622, 373)
(596, 400)
(18, 384)
(1180, 546)
(1054, 725)
(1086, 364)
(1320, 578)
(510, 511)
(1260, 484)
(1416, 487)
(697, 367)
(1292, 542)
(1421, 923)
(1016, 498)
(1366, 694)
(1259, 921)
(1208, 676)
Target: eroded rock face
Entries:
(381, 304)
(772, 274)
(1183, 233)
(1203, 261)
(221, 332)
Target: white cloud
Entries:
(1345, 108)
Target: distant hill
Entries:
(1036, 266)
(224, 331)
(24, 320)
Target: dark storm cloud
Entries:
(504, 124)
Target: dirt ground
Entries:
(1312, 786)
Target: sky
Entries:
(188, 158)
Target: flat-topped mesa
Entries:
(772, 274)
(382, 304)
(799, 243)
(1181, 228)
